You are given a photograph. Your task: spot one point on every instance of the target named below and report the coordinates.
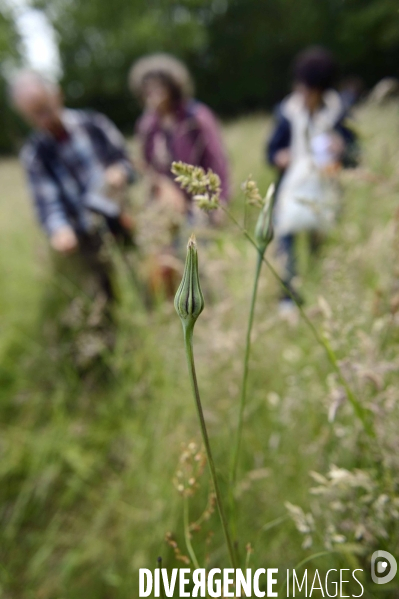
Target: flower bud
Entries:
(264, 226)
(189, 301)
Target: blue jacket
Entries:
(280, 138)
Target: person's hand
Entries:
(217, 217)
(166, 192)
(127, 222)
(337, 145)
(116, 176)
(64, 240)
(282, 159)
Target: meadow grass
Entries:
(87, 463)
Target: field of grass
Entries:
(88, 462)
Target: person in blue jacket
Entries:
(311, 140)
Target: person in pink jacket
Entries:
(174, 126)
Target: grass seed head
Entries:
(204, 187)
(251, 192)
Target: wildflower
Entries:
(264, 225)
(189, 301)
(263, 236)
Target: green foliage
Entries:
(247, 63)
(240, 51)
(99, 41)
(87, 463)
(8, 37)
(9, 53)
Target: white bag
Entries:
(308, 196)
(308, 199)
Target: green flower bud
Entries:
(264, 226)
(189, 301)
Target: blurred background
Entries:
(239, 51)
(91, 460)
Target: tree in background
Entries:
(239, 51)
(99, 40)
(367, 38)
(251, 44)
(9, 54)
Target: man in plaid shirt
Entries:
(75, 160)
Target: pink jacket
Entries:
(194, 138)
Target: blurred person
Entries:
(76, 164)
(308, 146)
(351, 90)
(173, 127)
(74, 160)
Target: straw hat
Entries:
(161, 64)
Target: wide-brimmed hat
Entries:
(160, 64)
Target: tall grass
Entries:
(86, 464)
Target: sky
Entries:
(38, 37)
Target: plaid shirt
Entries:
(66, 177)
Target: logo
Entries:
(383, 563)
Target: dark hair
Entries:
(175, 91)
(316, 68)
(167, 69)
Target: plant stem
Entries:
(237, 446)
(188, 342)
(189, 546)
(360, 412)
